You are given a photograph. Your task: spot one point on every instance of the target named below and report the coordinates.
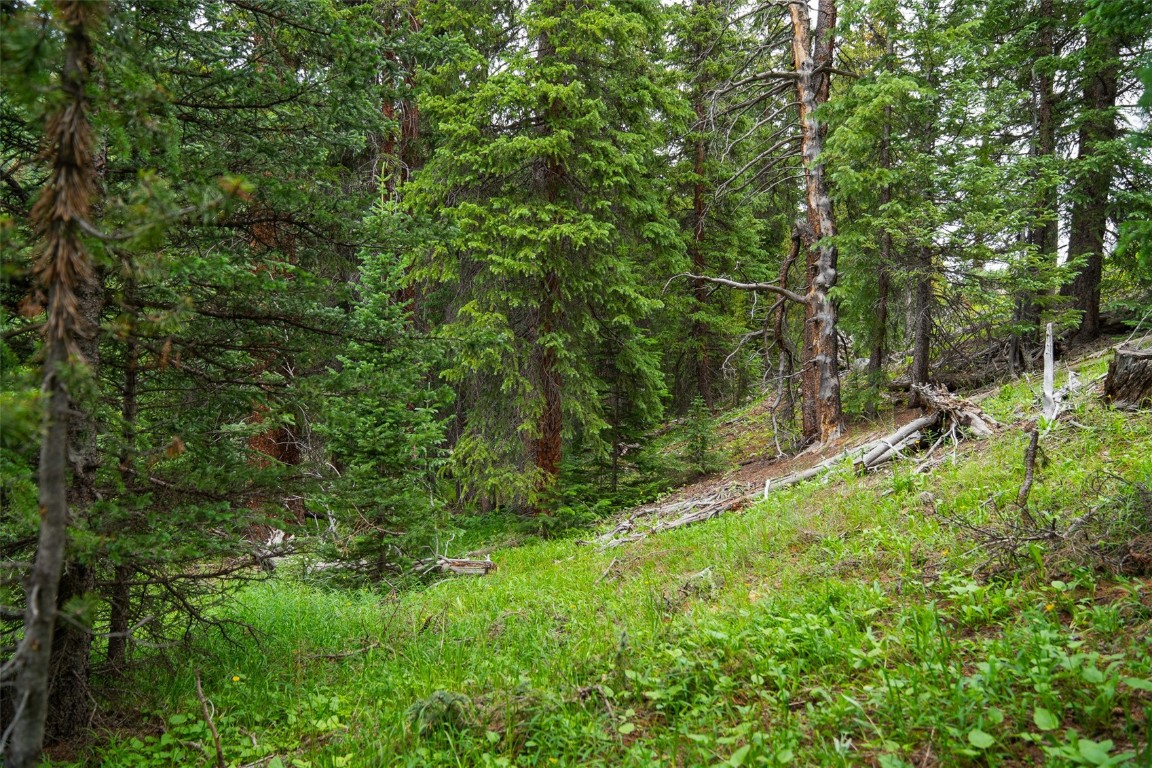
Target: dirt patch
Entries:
(754, 472)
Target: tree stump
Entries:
(1129, 380)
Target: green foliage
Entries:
(443, 710)
(700, 444)
(545, 201)
(350, 254)
(826, 625)
(382, 421)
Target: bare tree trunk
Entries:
(1090, 206)
(700, 333)
(883, 280)
(63, 270)
(812, 57)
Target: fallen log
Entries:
(893, 451)
(963, 412)
(460, 566)
(946, 413)
(884, 447)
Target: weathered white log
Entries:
(1050, 405)
(894, 450)
(885, 445)
(957, 409)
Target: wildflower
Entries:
(235, 678)
(943, 553)
(1050, 607)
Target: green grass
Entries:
(835, 624)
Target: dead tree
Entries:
(63, 269)
(812, 64)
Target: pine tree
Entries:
(544, 188)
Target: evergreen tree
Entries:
(545, 191)
(234, 152)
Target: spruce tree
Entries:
(545, 192)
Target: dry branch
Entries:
(208, 719)
(460, 566)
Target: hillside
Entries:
(852, 620)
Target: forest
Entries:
(576, 382)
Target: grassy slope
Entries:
(838, 624)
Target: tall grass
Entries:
(832, 624)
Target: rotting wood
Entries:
(963, 412)
(1129, 380)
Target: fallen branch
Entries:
(345, 654)
(458, 566)
(211, 725)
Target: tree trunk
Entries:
(922, 320)
(64, 269)
(120, 607)
(1094, 181)
(119, 601)
(812, 55)
(1042, 233)
(549, 445)
(1129, 379)
(700, 333)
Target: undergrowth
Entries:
(840, 624)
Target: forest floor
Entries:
(897, 618)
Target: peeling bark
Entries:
(812, 57)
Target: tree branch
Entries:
(769, 287)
